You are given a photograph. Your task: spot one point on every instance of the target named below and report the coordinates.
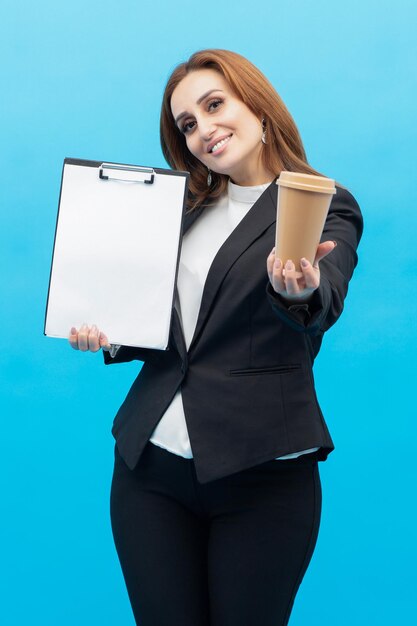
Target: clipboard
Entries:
(116, 251)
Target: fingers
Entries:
(311, 274)
(104, 342)
(93, 339)
(292, 279)
(274, 269)
(323, 250)
(83, 338)
(289, 282)
(88, 339)
(285, 281)
(73, 338)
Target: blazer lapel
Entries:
(259, 217)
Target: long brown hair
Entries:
(284, 149)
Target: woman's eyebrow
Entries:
(199, 101)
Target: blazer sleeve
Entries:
(344, 224)
(128, 353)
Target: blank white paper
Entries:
(115, 257)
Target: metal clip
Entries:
(132, 174)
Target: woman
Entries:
(216, 494)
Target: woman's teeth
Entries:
(219, 144)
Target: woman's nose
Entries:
(206, 129)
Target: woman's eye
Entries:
(215, 104)
(187, 127)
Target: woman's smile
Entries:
(210, 115)
(219, 146)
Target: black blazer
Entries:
(246, 381)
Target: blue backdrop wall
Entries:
(85, 80)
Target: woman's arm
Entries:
(91, 339)
(322, 308)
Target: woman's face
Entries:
(219, 129)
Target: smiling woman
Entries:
(220, 130)
(216, 493)
(223, 96)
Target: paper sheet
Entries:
(116, 256)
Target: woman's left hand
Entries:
(287, 284)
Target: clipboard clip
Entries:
(131, 173)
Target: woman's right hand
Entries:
(88, 339)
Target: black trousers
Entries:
(231, 552)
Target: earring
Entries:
(209, 178)
(263, 138)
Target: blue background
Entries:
(85, 80)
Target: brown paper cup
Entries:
(303, 204)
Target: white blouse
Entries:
(199, 247)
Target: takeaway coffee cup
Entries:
(303, 204)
